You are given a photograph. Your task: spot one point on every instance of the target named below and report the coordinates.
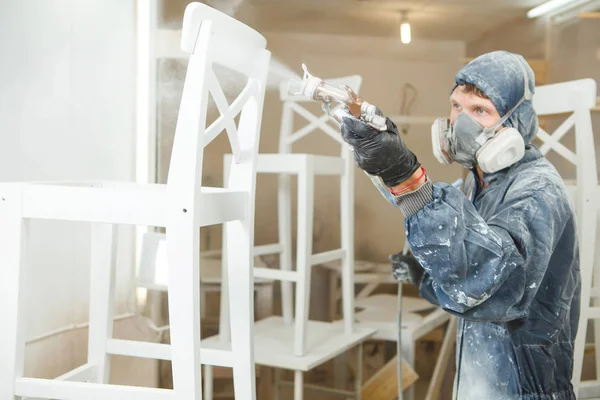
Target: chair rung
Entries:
(265, 249)
(589, 389)
(592, 313)
(152, 286)
(86, 372)
(62, 390)
(217, 358)
(132, 348)
(277, 274)
(160, 351)
(327, 256)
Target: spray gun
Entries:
(316, 89)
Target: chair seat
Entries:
(297, 163)
(125, 203)
(273, 343)
(390, 302)
(381, 313)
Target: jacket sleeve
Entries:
(487, 270)
(426, 289)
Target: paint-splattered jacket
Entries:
(505, 261)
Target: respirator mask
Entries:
(468, 143)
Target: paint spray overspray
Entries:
(347, 104)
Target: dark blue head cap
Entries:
(500, 76)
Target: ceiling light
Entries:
(404, 29)
(551, 6)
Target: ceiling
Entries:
(464, 20)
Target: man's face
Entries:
(480, 109)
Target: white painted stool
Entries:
(182, 206)
(293, 341)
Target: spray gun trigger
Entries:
(326, 108)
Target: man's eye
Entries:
(480, 111)
(456, 106)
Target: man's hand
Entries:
(406, 268)
(383, 154)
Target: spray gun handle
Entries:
(369, 113)
(377, 121)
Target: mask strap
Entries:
(527, 95)
(491, 131)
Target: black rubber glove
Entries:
(406, 268)
(383, 154)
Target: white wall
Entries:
(66, 113)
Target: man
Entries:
(501, 255)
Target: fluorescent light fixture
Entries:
(571, 16)
(405, 33)
(405, 36)
(551, 6)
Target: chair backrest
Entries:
(576, 99)
(211, 37)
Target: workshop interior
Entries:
(299, 199)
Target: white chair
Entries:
(154, 274)
(577, 99)
(293, 341)
(182, 206)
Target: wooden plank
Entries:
(589, 15)
(441, 365)
(384, 384)
(436, 335)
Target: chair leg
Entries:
(284, 221)
(102, 293)
(358, 376)
(224, 327)
(277, 384)
(208, 382)
(183, 246)
(298, 385)
(13, 241)
(408, 351)
(241, 306)
(303, 263)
